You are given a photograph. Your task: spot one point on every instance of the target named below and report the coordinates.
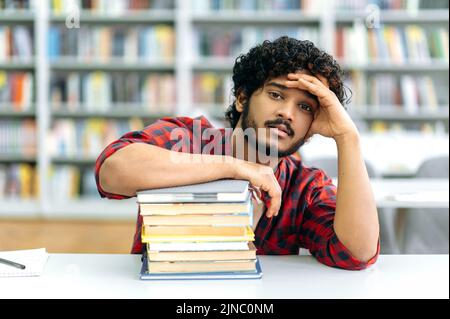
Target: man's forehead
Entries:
(279, 83)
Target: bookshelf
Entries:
(187, 19)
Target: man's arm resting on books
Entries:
(144, 166)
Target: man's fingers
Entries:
(318, 79)
(324, 80)
(275, 202)
(314, 89)
(257, 192)
(303, 83)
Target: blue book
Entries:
(144, 275)
(53, 43)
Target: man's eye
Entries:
(275, 95)
(306, 107)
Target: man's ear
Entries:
(240, 102)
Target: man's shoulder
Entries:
(186, 122)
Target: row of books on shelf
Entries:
(18, 181)
(306, 6)
(68, 182)
(16, 4)
(412, 93)
(16, 91)
(100, 92)
(16, 43)
(18, 138)
(212, 88)
(108, 7)
(87, 138)
(118, 7)
(393, 44)
(156, 93)
(105, 43)
(437, 128)
(409, 5)
(207, 236)
(232, 41)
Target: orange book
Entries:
(17, 93)
(340, 44)
(373, 48)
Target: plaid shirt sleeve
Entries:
(158, 134)
(317, 232)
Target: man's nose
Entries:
(286, 111)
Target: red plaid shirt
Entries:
(308, 197)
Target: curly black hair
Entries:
(280, 57)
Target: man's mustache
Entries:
(290, 131)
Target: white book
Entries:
(22, 39)
(34, 261)
(27, 91)
(409, 94)
(198, 246)
(115, 8)
(423, 46)
(224, 190)
(73, 89)
(200, 6)
(69, 6)
(443, 35)
(359, 44)
(2, 174)
(3, 44)
(131, 46)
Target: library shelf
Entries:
(143, 17)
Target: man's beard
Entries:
(266, 147)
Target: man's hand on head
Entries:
(330, 119)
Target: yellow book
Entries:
(26, 175)
(153, 235)
(3, 79)
(74, 182)
(166, 42)
(36, 187)
(57, 7)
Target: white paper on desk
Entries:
(33, 259)
(420, 197)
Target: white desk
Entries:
(116, 276)
(395, 224)
(385, 187)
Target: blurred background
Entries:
(76, 75)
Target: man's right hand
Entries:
(261, 177)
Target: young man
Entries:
(289, 90)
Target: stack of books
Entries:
(200, 231)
